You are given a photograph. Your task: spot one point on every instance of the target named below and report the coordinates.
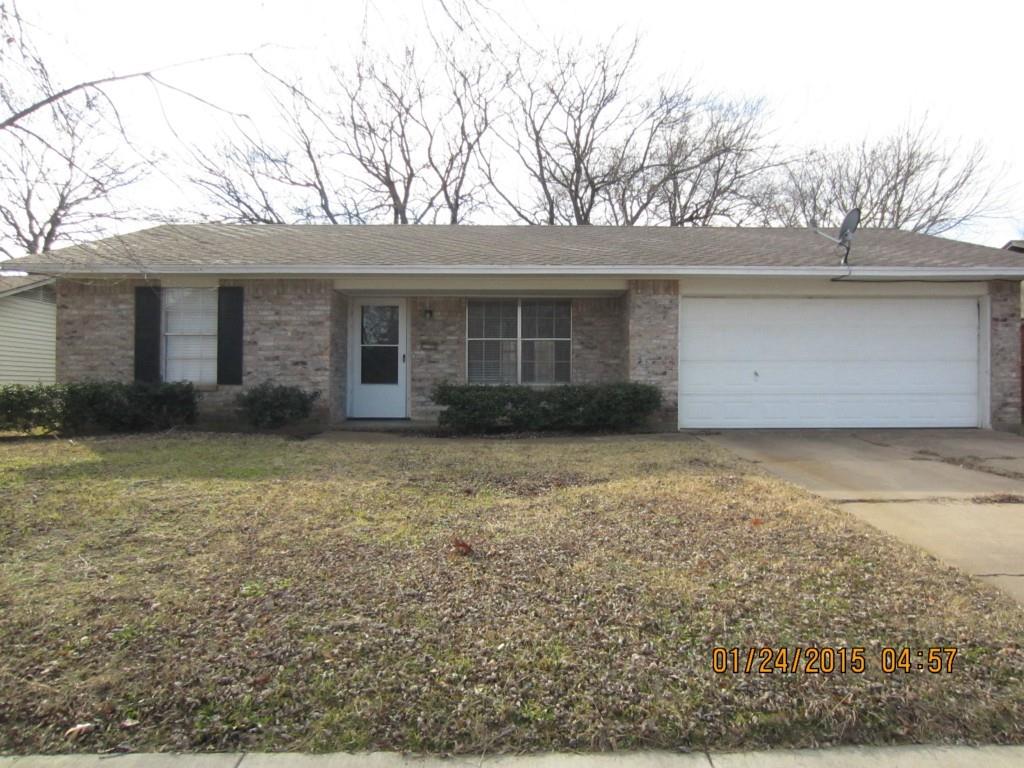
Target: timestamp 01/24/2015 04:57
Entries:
(828, 660)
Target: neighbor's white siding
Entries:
(28, 337)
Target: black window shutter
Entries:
(230, 301)
(147, 334)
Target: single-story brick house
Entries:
(738, 327)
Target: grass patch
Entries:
(213, 592)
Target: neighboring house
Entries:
(737, 327)
(28, 330)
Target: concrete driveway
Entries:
(956, 493)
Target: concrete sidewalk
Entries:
(851, 757)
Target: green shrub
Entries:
(27, 407)
(107, 406)
(570, 407)
(97, 406)
(162, 406)
(269, 405)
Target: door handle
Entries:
(403, 357)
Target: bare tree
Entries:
(376, 128)
(251, 180)
(454, 136)
(910, 180)
(698, 168)
(57, 175)
(570, 123)
(385, 140)
(237, 180)
(21, 60)
(596, 150)
(713, 165)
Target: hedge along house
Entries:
(737, 327)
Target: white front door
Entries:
(377, 359)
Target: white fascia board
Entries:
(867, 273)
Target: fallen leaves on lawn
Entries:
(268, 595)
(81, 729)
(461, 547)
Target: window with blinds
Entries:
(510, 341)
(492, 337)
(190, 335)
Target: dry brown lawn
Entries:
(215, 592)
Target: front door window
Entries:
(379, 341)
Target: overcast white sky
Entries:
(831, 72)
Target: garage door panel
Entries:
(828, 411)
(837, 377)
(828, 362)
(794, 311)
(809, 341)
(955, 345)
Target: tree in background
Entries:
(909, 180)
(595, 148)
(476, 124)
(569, 119)
(387, 140)
(56, 182)
(60, 160)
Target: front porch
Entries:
(390, 351)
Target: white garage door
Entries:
(828, 362)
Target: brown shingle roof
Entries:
(340, 249)
(16, 283)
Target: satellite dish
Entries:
(849, 226)
(846, 230)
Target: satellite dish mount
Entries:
(846, 230)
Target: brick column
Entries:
(339, 357)
(437, 349)
(652, 329)
(1005, 392)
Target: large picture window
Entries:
(190, 335)
(525, 341)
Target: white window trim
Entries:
(519, 339)
(165, 334)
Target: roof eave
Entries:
(663, 271)
(26, 287)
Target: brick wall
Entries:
(1005, 390)
(96, 330)
(296, 332)
(339, 357)
(437, 349)
(599, 342)
(286, 339)
(652, 322)
(287, 336)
